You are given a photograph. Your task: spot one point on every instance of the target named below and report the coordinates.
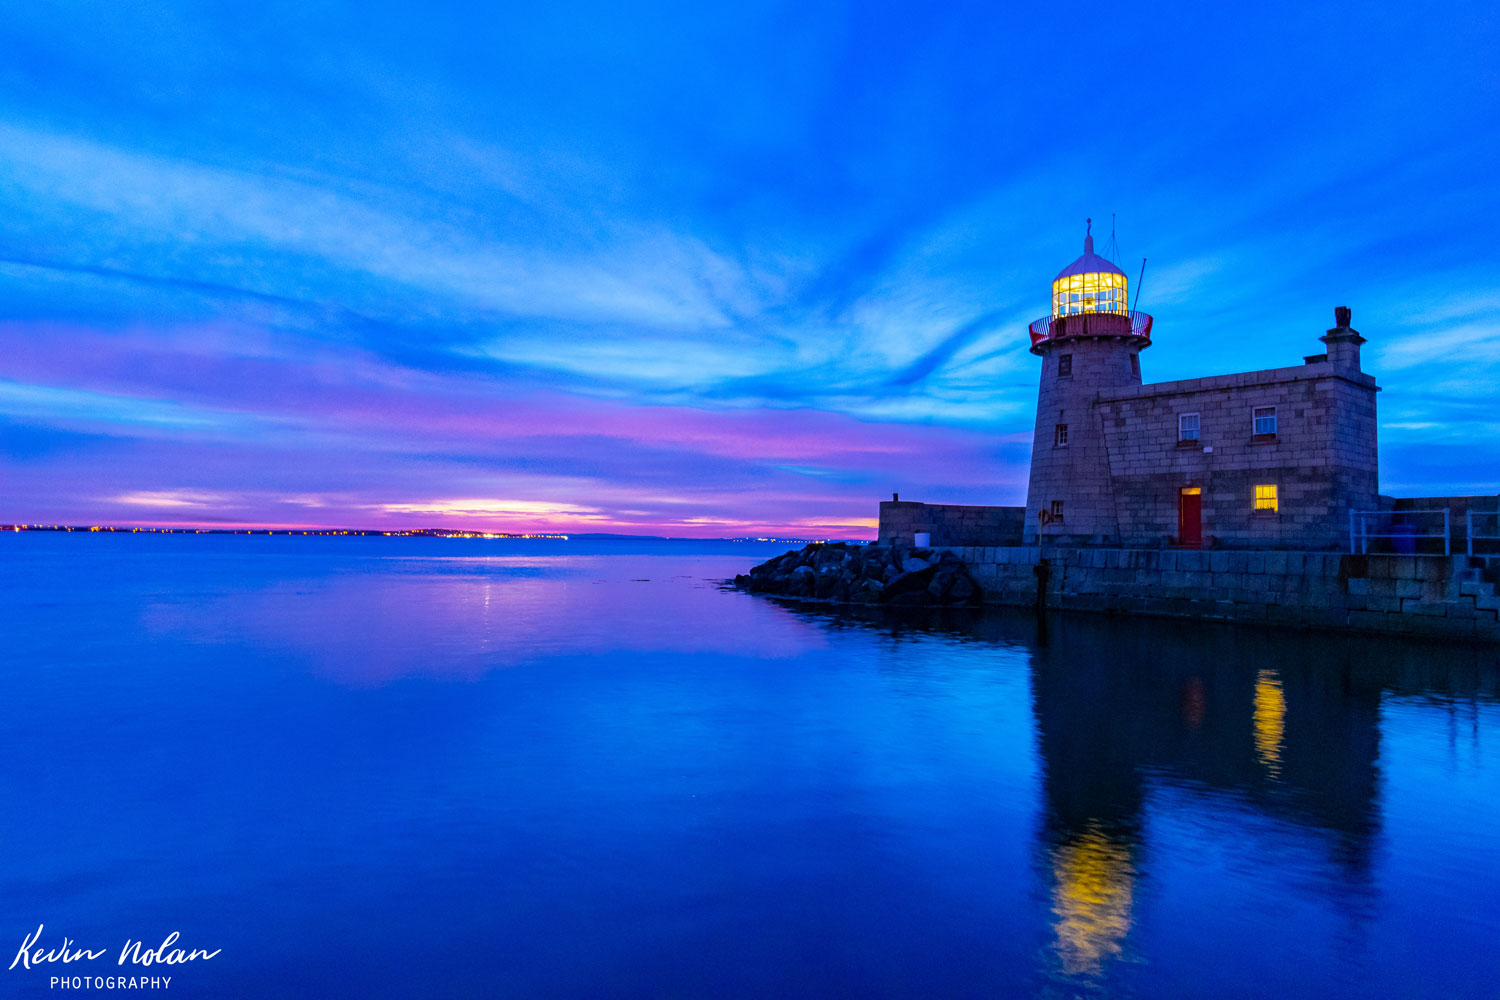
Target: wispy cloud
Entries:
(171, 499)
(687, 272)
(471, 507)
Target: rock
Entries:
(865, 574)
(938, 588)
(917, 580)
(964, 590)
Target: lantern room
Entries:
(1090, 284)
(1089, 299)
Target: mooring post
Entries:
(1043, 571)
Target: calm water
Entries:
(402, 768)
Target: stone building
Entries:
(1274, 459)
(1275, 471)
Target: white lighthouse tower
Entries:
(1090, 342)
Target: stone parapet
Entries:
(1241, 380)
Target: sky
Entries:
(701, 269)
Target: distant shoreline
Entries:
(402, 533)
(379, 533)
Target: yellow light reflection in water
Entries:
(1093, 886)
(1270, 720)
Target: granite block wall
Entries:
(1403, 595)
(1070, 462)
(950, 524)
(1321, 459)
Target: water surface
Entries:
(462, 768)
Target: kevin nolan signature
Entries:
(136, 952)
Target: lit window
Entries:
(1187, 426)
(1265, 420)
(1265, 498)
(1064, 365)
(1057, 510)
(1060, 437)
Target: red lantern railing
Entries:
(1131, 324)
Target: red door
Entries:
(1190, 518)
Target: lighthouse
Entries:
(1280, 458)
(1090, 343)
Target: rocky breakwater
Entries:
(865, 574)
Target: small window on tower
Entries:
(1265, 420)
(1135, 365)
(1060, 436)
(1266, 499)
(1064, 365)
(1057, 511)
(1187, 426)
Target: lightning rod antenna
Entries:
(1112, 248)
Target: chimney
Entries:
(1343, 341)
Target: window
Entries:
(1064, 365)
(1265, 498)
(1089, 293)
(1187, 426)
(1135, 365)
(1265, 420)
(1060, 436)
(1057, 513)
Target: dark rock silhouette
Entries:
(865, 574)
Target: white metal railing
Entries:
(1360, 533)
(1469, 516)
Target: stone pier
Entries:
(1447, 596)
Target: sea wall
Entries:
(949, 524)
(1408, 595)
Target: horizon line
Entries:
(395, 533)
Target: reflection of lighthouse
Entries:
(1119, 716)
(1093, 878)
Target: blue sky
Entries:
(695, 269)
